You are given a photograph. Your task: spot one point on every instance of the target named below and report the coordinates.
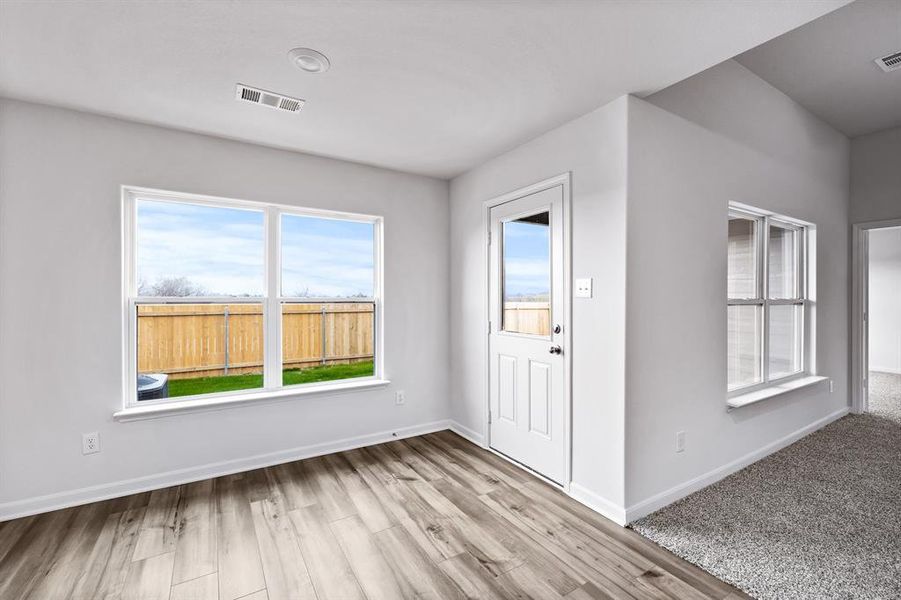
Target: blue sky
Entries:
(222, 249)
(526, 259)
(326, 257)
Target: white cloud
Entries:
(226, 257)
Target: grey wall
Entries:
(60, 314)
(593, 148)
(723, 135)
(876, 176)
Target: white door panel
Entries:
(506, 387)
(540, 394)
(526, 296)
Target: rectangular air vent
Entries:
(892, 62)
(269, 99)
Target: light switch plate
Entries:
(583, 287)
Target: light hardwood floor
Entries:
(428, 517)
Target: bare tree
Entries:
(171, 287)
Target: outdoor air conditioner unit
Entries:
(153, 386)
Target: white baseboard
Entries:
(597, 503)
(658, 501)
(41, 504)
(465, 432)
(889, 370)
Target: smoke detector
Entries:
(245, 93)
(892, 62)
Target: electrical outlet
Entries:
(399, 398)
(90, 443)
(680, 441)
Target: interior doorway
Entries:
(884, 322)
(877, 319)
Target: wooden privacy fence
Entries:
(200, 340)
(528, 317)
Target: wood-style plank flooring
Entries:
(427, 517)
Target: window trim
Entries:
(271, 302)
(804, 299)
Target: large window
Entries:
(770, 304)
(232, 297)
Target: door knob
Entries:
(556, 350)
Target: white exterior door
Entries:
(526, 311)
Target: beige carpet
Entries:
(885, 395)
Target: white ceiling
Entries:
(432, 87)
(827, 66)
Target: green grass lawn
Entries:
(229, 383)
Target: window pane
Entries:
(190, 349)
(325, 342)
(785, 339)
(195, 250)
(744, 345)
(783, 262)
(327, 258)
(742, 264)
(527, 275)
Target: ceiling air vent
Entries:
(892, 62)
(262, 97)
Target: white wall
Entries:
(648, 349)
(656, 357)
(61, 355)
(885, 300)
(593, 148)
(876, 176)
(723, 135)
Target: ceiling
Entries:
(431, 87)
(827, 66)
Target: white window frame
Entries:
(271, 303)
(805, 299)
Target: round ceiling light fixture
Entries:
(309, 60)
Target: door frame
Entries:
(860, 279)
(564, 180)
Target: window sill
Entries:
(166, 409)
(773, 391)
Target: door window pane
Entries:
(191, 349)
(327, 341)
(196, 250)
(744, 345)
(327, 258)
(785, 339)
(526, 276)
(783, 263)
(742, 262)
